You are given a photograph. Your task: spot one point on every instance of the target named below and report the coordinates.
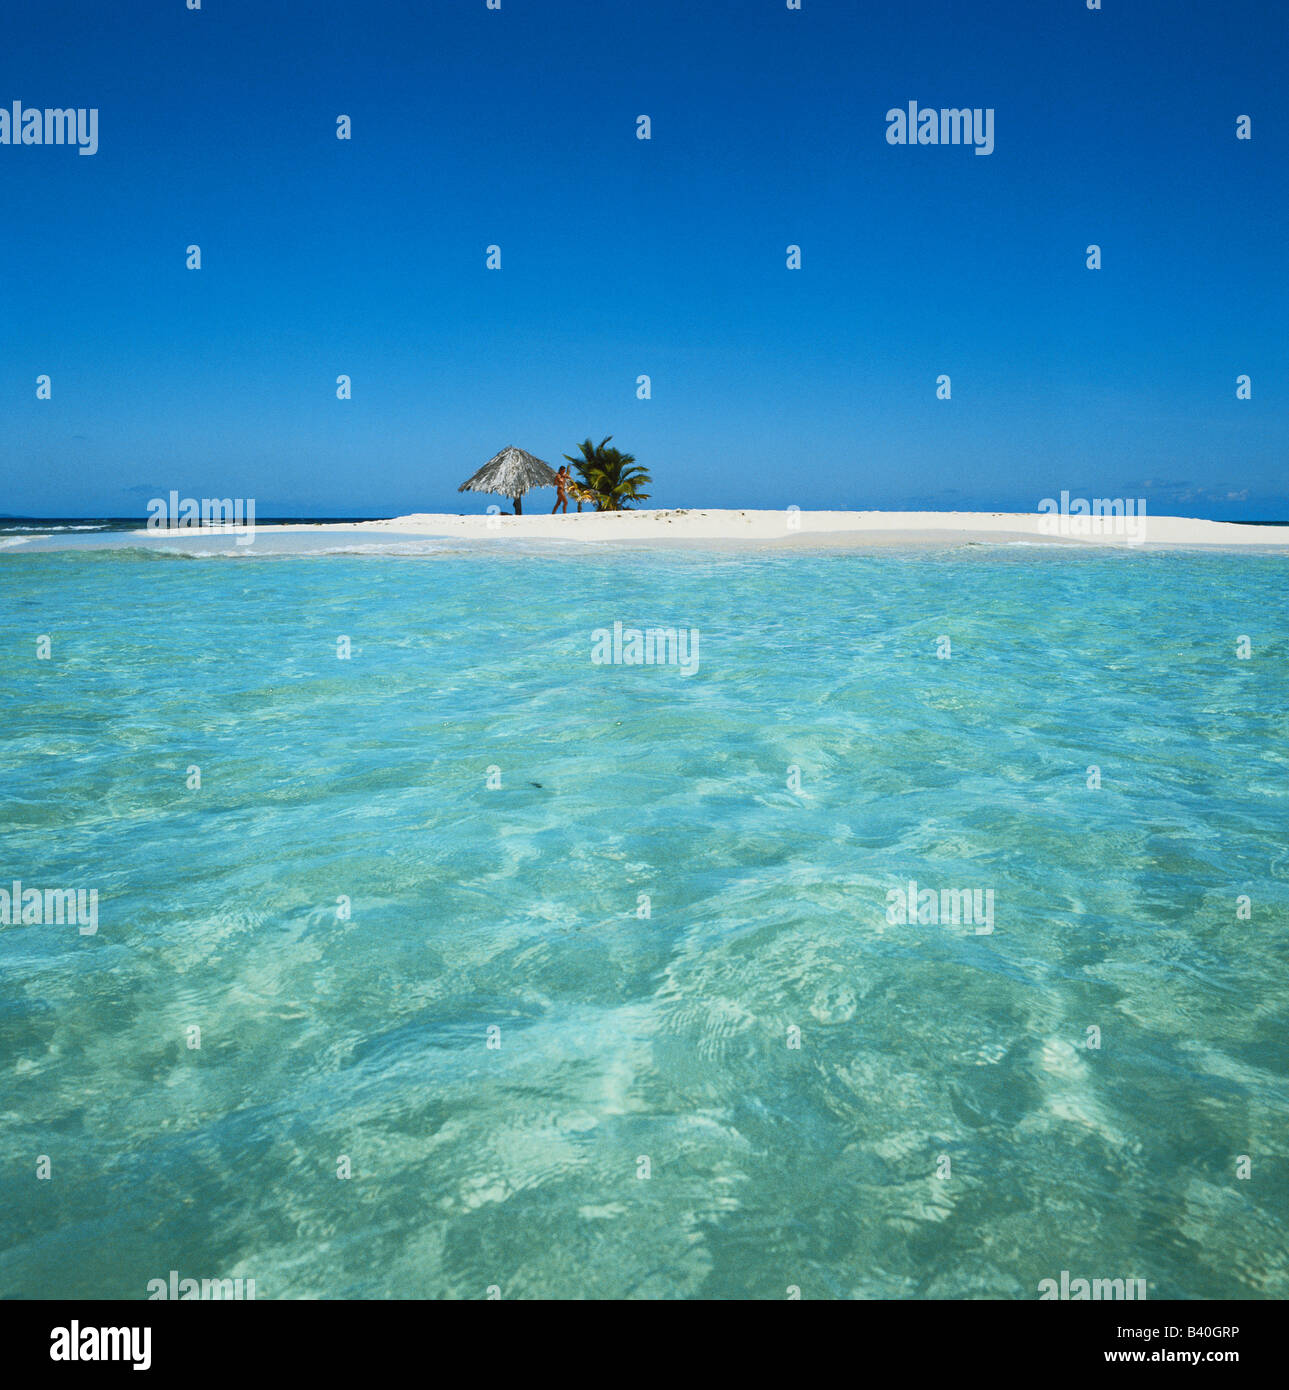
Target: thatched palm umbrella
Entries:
(511, 473)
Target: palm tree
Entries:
(618, 480)
(591, 457)
(613, 476)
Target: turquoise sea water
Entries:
(664, 1037)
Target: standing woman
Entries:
(561, 489)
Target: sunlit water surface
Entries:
(662, 1037)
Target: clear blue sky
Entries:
(667, 257)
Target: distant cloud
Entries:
(1172, 491)
(1176, 492)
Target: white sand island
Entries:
(790, 528)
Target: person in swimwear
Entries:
(562, 479)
